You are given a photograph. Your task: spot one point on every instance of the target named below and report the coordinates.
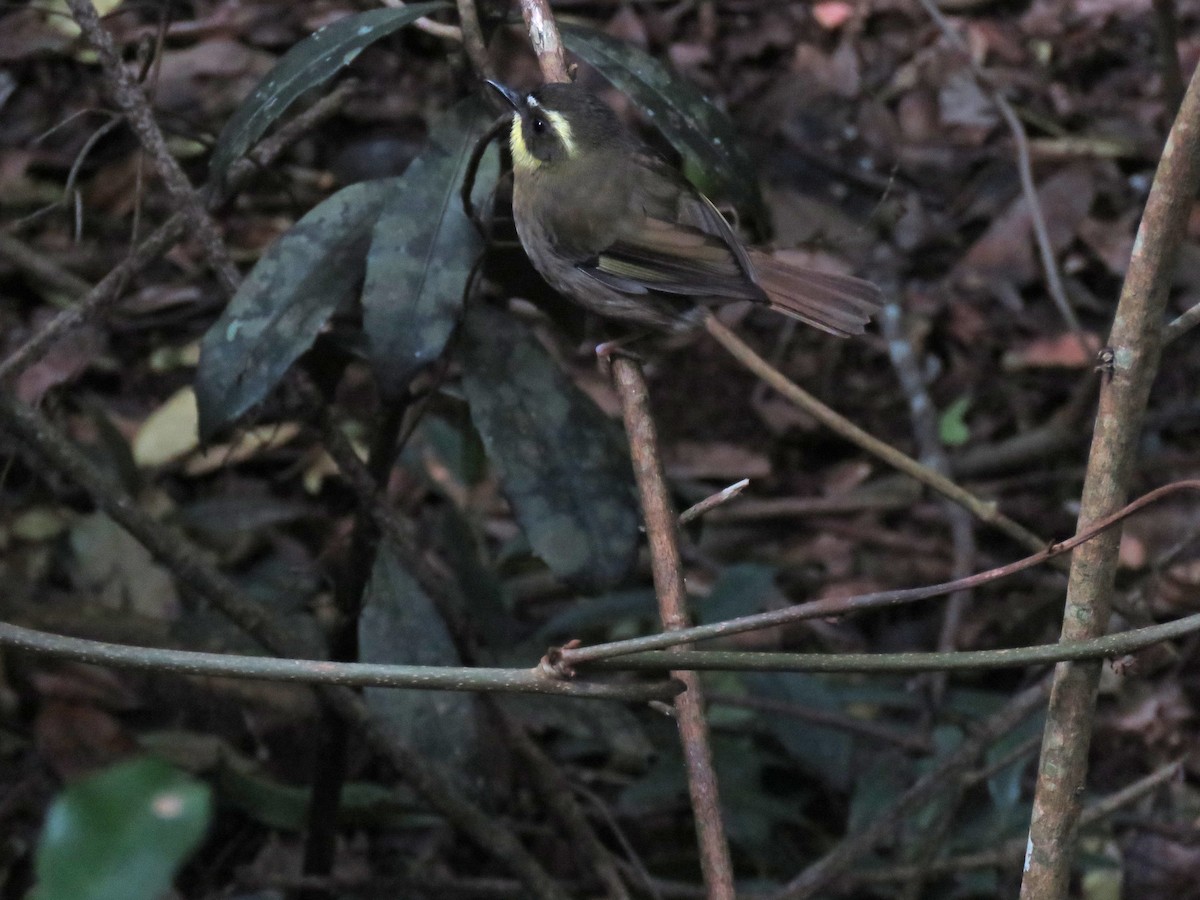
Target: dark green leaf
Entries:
(822, 750)
(284, 302)
(309, 63)
(703, 134)
(1004, 785)
(562, 466)
(243, 785)
(121, 834)
(877, 787)
(399, 624)
(601, 615)
(742, 589)
(422, 252)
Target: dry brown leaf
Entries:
(833, 14)
(67, 359)
(1062, 351)
(1005, 252)
(76, 740)
(692, 459)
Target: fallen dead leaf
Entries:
(832, 15)
(169, 433)
(67, 359)
(1062, 351)
(246, 445)
(77, 740)
(690, 459)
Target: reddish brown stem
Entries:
(667, 566)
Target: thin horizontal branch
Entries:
(307, 671)
(904, 663)
(573, 656)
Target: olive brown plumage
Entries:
(612, 226)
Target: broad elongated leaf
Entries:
(702, 133)
(562, 467)
(309, 63)
(284, 302)
(121, 834)
(422, 251)
(399, 624)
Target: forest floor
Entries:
(882, 152)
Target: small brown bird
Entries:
(614, 227)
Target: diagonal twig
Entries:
(131, 100)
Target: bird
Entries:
(614, 227)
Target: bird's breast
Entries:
(578, 209)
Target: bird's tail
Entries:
(839, 304)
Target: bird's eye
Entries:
(538, 125)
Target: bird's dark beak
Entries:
(510, 96)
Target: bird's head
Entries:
(557, 124)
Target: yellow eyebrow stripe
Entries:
(562, 128)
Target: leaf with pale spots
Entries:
(560, 460)
(311, 62)
(714, 158)
(121, 834)
(284, 303)
(422, 251)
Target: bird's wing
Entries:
(674, 241)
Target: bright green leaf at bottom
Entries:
(121, 834)
(952, 426)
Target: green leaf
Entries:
(309, 63)
(704, 135)
(422, 252)
(823, 750)
(399, 624)
(121, 834)
(560, 461)
(242, 784)
(284, 302)
(877, 787)
(952, 426)
(742, 589)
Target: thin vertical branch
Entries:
(473, 41)
(663, 535)
(1136, 342)
(662, 531)
(543, 34)
(1166, 27)
(333, 743)
(925, 433)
